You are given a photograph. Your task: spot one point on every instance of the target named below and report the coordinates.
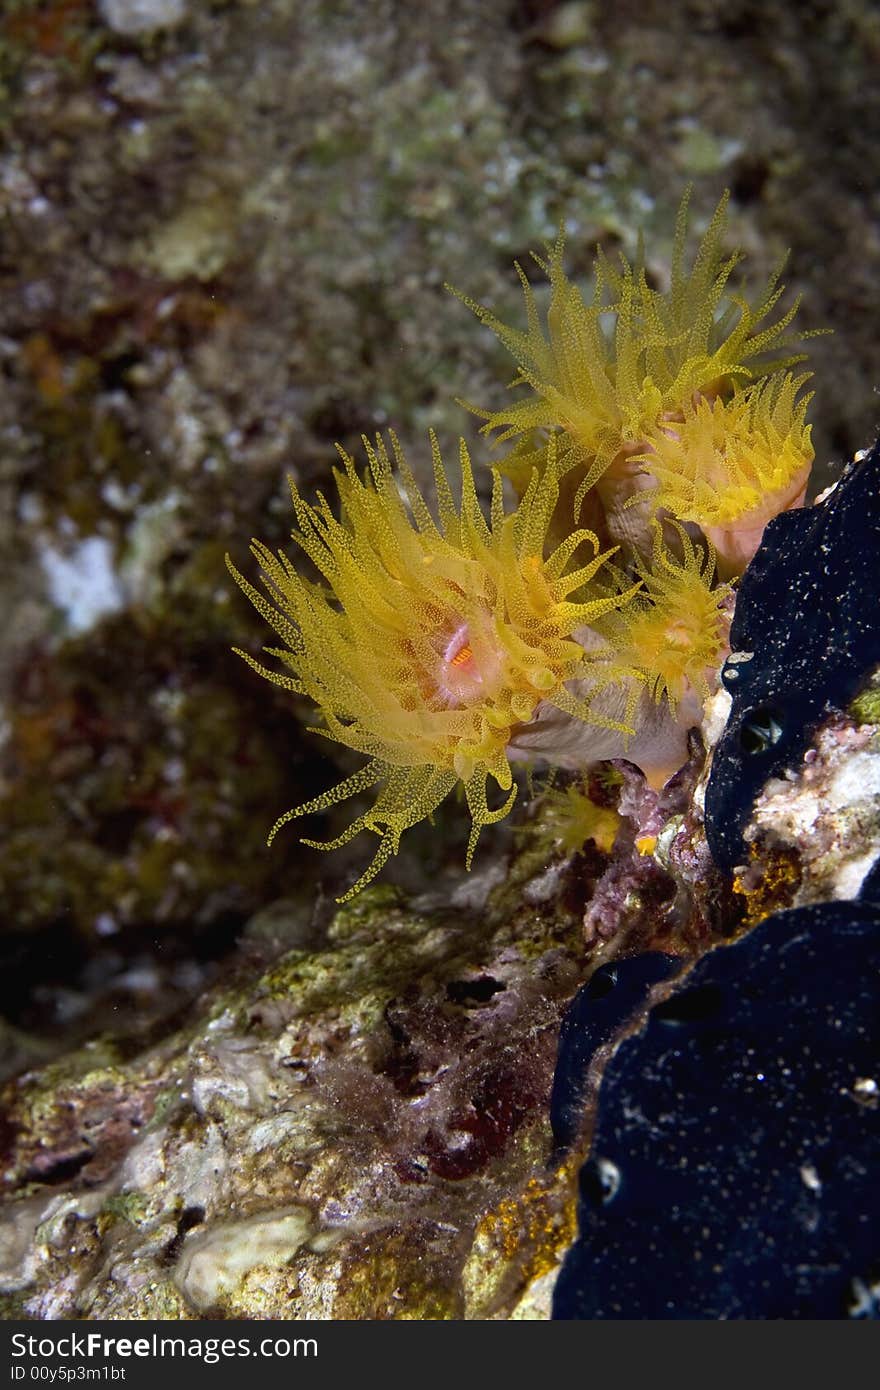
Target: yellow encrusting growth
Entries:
(426, 642)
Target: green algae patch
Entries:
(865, 708)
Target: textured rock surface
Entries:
(141, 16)
(358, 1131)
(361, 1118)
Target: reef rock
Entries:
(132, 17)
(358, 1130)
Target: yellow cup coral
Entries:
(426, 643)
(675, 630)
(441, 649)
(731, 465)
(669, 638)
(606, 371)
(613, 376)
(569, 817)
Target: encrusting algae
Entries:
(584, 623)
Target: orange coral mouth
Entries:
(459, 652)
(462, 678)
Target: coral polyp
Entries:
(604, 371)
(731, 465)
(425, 643)
(675, 630)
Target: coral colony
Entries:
(658, 433)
